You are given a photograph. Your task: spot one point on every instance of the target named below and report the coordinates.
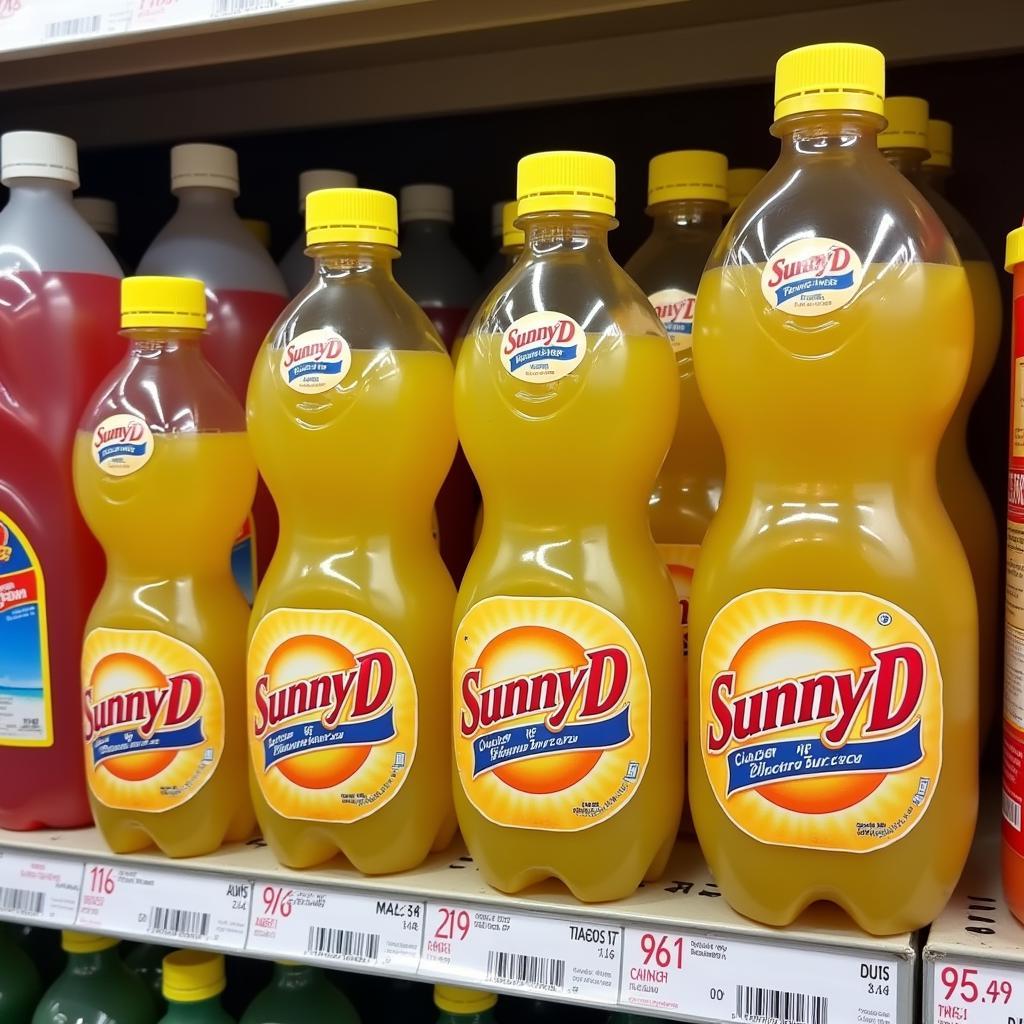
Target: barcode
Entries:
(343, 943)
(72, 27)
(520, 969)
(774, 1005)
(1011, 810)
(22, 901)
(234, 8)
(187, 924)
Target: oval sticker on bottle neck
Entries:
(542, 347)
(812, 276)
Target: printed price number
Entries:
(101, 880)
(453, 924)
(963, 984)
(662, 950)
(277, 901)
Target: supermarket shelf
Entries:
(974, 958)
(371, 60)
(673, 947)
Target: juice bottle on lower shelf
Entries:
(349, 641)
(833, 626)
(20, 986)
(904, 143)
(739, 182)
(42, 945)
(686, 199)
(147, 962)
(300, 994)
(163, 453)
(58, 340)
(95, 987)
(1013, 670)
(193, 980)
(938, 165)
(206, 239)
(567, 628)
(464, 1005)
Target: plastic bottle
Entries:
(357, 592)
(259, 229)
(296, 267)
(101, 216)
(42, 945)
(207, 240)
(938, 166)
(146, 961)
(464, 1005)
(192, 983)
(739, 181)
(163, 453)
(299, 994)
(58, 309)
(904, 143)
(95, 987)
(20, 987)
(565, 427)
(686, 197)
(1013, 697)
(496, 266)
(833, 686)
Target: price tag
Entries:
(980, 994)
(166, 906)
(523, 952)
(337, 928)
(39, 888)
(727, 979)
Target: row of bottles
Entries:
(818, 349)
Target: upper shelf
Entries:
(231, 66)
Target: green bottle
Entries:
(464, 1005)
(20, 987)
(298, 994)
(147, 962)
(95, 987)
(43, 948)
(192, 983)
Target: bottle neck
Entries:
(28, 191)
(486, 1017)
(909, 162)
(88, 964)
(426, 228)
(200, 1010)
(292, 977)
(937, 176)
(687, 213)
(201, 197)
(566, 232)
(163, 342)
(844, 135)
(336, 261)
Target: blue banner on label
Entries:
(317, 366)
(534, 355)
(686, 327)
(807, 758)
(298, 739)
(130, 742)
(826, 283)
(508, 745)
(110, 450)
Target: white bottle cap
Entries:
(497, 223)
(99, 214)
(38, 155)
(199, 164)
(312, 181)
(426, 202)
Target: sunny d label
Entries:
(122, 444)
(153, 719)
(542, 347)
(315, 361)
(811, 276)
(820, 718)
(333, 714)
(675, 307)
(552, 712)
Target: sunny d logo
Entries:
(315, 361)
(812, 276)
(675, 310)
(542, 347)
(122, 444)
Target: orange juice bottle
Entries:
(686, 198)
(568, 703)
(904, 143)
(349, 638)
(163, 477)
(740, 181)
(833, 687)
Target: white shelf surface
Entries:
(673, 948)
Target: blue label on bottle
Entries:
(243, 559)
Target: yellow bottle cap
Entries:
(259, 229)
(163, 302)
(83, 942)
(191, 975)
(566, 180)
(462, 1000)
(510, 234)
(830, 76)
(940, 143)
(908, 123)
(1014, 248)
(351, 215)
(739, 181)
(687, 174)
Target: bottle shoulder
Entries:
(52, 237)
(671, 260)
(435, 272)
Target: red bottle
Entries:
(59, 288)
